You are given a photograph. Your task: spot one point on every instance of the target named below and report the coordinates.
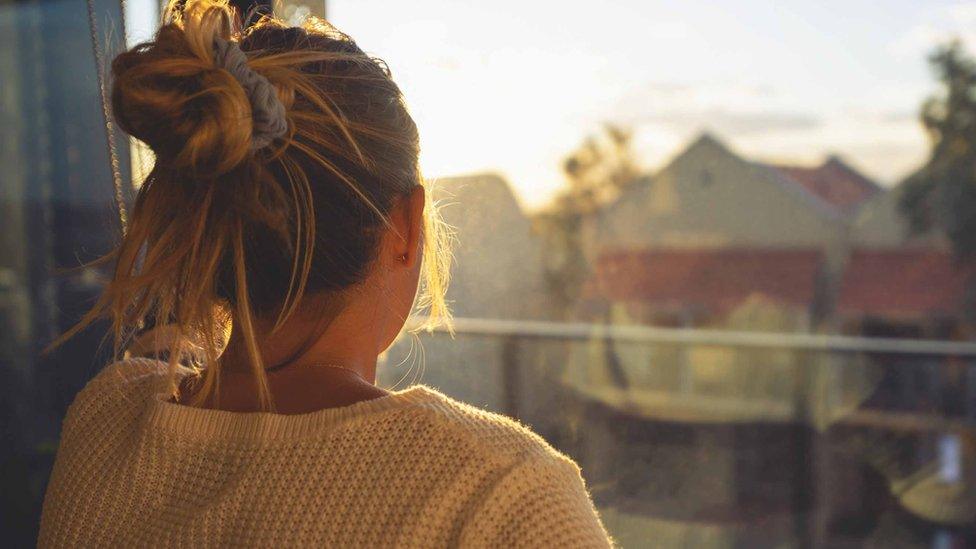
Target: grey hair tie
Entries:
(267, 111)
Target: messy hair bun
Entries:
(256, 200)
(178, 95)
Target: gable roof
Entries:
(714, 279)
(833, 189)
(903, 283)
(834, 182)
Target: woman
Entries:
(285, 203)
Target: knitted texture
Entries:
(412, 469)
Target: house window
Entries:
(706, 178)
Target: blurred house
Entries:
(688, 287)
(714, 240)
(880, 225)
(824, 244)
(913, 291)
(834, 182)
(898, 283)
(740, 289)
(726, 228)
(708, 197)
(497, 270)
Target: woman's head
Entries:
(251, 219)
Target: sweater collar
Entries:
(191, 422)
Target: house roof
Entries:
(903, 283)
(715, 279)
(834, 182)
(833, 188)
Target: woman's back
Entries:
(276, 249)
(411, 469)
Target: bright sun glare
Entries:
(511, 87)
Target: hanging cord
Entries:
(113, 152)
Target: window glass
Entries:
(57, 209)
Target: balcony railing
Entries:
(817, 368)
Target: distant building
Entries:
(713, 240)
(899, 283)
(709, 197)
(918, 292)
(880, 225)
(497, 271)
(687, 287)
(729, 224)
(835, 183)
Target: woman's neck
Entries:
(313, 365)
(347, 339)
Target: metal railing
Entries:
(511, 332)
(703, 337)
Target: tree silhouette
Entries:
(942, 194)
(598, 170)
(596, 173)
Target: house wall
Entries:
(709, 197)
(879, 224)
(498, 270)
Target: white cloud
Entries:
(733, 122)
(938, 26)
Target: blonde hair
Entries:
(221, 234)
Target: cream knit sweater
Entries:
(412, 469)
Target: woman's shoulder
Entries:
(128, 378)
(119, 390)
(526, 489)
(483, 431)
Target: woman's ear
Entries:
(408, 218)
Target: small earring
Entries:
(402, 258)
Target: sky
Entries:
(513, 86)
